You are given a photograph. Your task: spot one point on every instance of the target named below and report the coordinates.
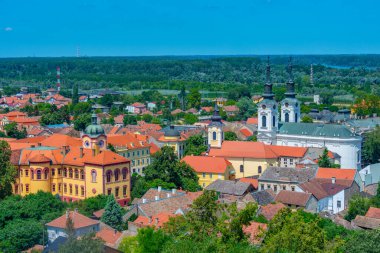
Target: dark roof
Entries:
(322, 188)
(287, 174)
(236, 188)
(315, 129)
(172, 132)
(293, 198)
(263, 197)
(366, 222)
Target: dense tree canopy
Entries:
(7, 171)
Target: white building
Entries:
(290, 132)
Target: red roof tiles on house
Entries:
(207, 164)
(270, 210)
(373, 212)
(243, 149)
(246, 132)
(155, 221)
(285, 151)
(254, 231)
(253, 181)
(78, 219)
(109, 236)
(347, 174)
(253, 121)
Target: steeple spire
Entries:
(290, 91)
(268, 94)
(216, 116)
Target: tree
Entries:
(111, 147)
(13, 132)
(130, 120)
(150, 240)
(327, 98)
(113, 214)
(246, 108)
(307, 119)
(147, 118)
(165, 166)
(81, 108)
(230, 136)
(82, 121)
(75, 97)
(129, 244)
(371, 147)
(324, 160)
(357, 206)
(288, 232)
(195, 145)
(194, 98)
(190, 119)
(7, 171)
(363, 241)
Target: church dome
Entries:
(94, 129)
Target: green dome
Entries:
(94, 129)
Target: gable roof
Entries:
(243, 149)
(285, 151)
(270, 210)
(322, 188)
(236, 188)
(109, 236)
(293, 198)
(347, 174)
(253, 181)
(79, 221)
(264, 197)
(287, 174)
(207, 164)
(366, 222)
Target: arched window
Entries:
(32, 174)
(82, 174)
(214, 136)
(65, 172)
(76, 173)
(53, 172)
(46, 173)
(70, 173)
(286, 117)
(38, 174)
(125, 173)
(109, 174)
(264, 121)
(117, 172)
(296, 117)
(274, 121)
(93, 176)
(259, 169)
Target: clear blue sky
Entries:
(188, 27)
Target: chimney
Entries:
(333, 180)
(168, 195)
(174, 191)
(144, 201)
(156, 198)
(81, 152)
(159, 188)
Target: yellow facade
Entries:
(207, 178)
(246, 167)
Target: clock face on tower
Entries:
(101, 143)
(263, 106)
(87, 144)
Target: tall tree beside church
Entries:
(371, 147)
(194, 98)
(75, 97)
(7, 171)
(324, 160)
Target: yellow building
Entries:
(215, 130)
(173, 138)
(74, 172)
(210, 169)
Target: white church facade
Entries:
(289, 131)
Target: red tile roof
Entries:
(253, 181)
(128, 140)
(253, 121)
(270, 210)
(255, 231)
(246, 132)
(347, 174)
(60, 140)
(207, 164)
(40, 158)
(231, 108)
(373, 212)
(155, 221)
(109, 236)
(322, 187)
(293, 198)
(285, 151)
(98, 214)
(78, 219)
(243, 149)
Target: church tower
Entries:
(215, 129)
(94, 136)
(290, 106)
(267, 113)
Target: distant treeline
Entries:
(214, 73)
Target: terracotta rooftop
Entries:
(109, 236)
(347, 174)
(40, 158)
(155, 221)
(243, 149)
(98, 214)
(253, 121)
(253, 181)
(128, 140)
(78, 219)
(322, 188)
(285, 151)
(293, 198)
(60, 140)
(366, 222)
(255, 231)
(207, 164)
(270, 210)
(246, 132)
(373, 212)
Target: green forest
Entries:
(338, 74)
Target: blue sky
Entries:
(179, 27)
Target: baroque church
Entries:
(287, 130)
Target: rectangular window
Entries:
(275, 188)
(59, 172)
(53, 172)
(124, 190)
(128, 154)
(59, 187)
(210, 175)
(26, 172)
(204, 175)
(138, 153)
(268, 186)
(82, 191)
(241, 168)
(27, 188)
(262, 187)
(138, 162)
(293, 188)
(339, 204)
(109, 191)
(133, 162)
(117, 192)
(284, 187)
(291, 161)
(71, 189)
(76, 190)
(65, 188)
(53, 188)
